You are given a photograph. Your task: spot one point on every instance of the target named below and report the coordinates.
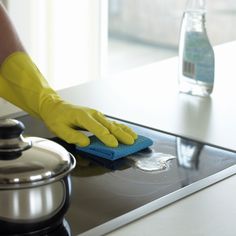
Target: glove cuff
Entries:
(27, 86)
(21, 71)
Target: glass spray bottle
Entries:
(196, 55)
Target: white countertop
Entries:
(149, 96)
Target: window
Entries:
(142, 32)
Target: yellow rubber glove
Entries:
(22, 84)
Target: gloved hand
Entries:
(22, 84)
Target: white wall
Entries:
(74, 41)
(62, 36)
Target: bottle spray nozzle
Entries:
(196, 5)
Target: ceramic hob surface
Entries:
(103, 190)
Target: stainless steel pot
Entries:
(35, 184)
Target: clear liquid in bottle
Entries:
(196, 55)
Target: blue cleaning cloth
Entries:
(99, 149)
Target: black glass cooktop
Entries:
(174, 167)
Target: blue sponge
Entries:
(99, 149)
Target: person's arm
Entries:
(22, 84)
(9, 40)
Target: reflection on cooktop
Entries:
(103, 190)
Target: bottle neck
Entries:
(195, 20)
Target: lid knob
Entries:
(11, 139)
(10, 128)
